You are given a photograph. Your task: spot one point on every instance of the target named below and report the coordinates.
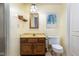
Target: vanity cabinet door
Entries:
(39, 49)
(26, 49)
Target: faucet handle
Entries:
(33, 34)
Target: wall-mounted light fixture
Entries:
(34, 8)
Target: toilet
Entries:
(56, 48)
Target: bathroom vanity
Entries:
(32, 44)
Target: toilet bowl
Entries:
(54, 41)
(57, 48)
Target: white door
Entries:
(74, 29)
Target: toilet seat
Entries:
(57, 48)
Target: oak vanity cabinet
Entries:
(32, 46)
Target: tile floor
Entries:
(48, 54)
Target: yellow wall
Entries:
(43, 9)
(18, 27)
(63, 29)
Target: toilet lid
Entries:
(56, 46)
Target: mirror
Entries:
(34, 21)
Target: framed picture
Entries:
(34, 21)
(51, 20)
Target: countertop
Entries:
(33, 35)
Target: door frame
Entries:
(6, 27)
(68, 30)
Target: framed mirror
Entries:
(34, 20)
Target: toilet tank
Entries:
(53, 40)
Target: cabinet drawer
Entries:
(41, 44)
(26, 44)
(32, 40)
(23, 40)
(41, 40)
